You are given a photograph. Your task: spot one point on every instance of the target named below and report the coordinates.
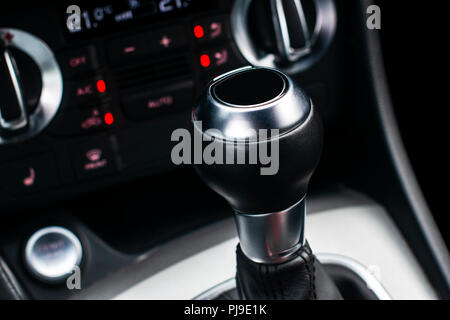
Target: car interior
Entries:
(110, 188)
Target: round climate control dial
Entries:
(31, 84)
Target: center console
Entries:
(91, 94)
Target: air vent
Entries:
(154, 71)
(290, 35)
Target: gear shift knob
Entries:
(237, 110)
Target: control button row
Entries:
(144, 105)
(90, 159)
(82, 121)
(218, 60)
(82, 88)
(75, 62)
(30, 175)
(94, 158)
(85, 92)
(125, 50)
(211, 29)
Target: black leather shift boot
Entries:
(302, 278)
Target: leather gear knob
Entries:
(248, 100)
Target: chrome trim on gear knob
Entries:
(261, 244)
(285, 111)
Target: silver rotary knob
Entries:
(31, 84)
(52, 253)
(290, 35)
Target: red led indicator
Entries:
(109, 118)
(101, 86)
(205, 60)
(199, 32)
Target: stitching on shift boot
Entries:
(313, 260)
(280, 283)
(261, 280)
(307, 257)
(269, 276)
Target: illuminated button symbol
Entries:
(159, 102)
(221, 57)
(216, 29)
(130, 49)
(28, 181)
(94, 157)
(83, 91)
(92, 121)
(165, 41)
(94, 154)
(77, 61)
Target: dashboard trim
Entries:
(399, 157)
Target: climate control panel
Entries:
(81, 110)
(91, 103)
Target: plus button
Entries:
(165, 41)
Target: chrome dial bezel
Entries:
(52, 82)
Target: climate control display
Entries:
(98, 15)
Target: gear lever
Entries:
(269, 203)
